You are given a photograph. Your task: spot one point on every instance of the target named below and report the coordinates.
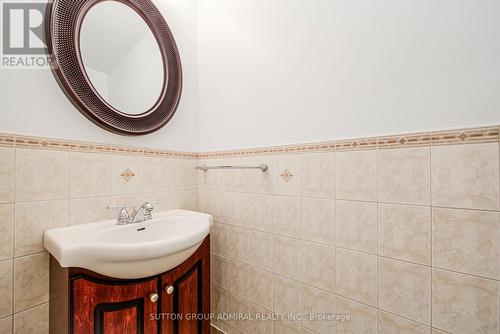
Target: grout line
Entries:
(69, 190)
(14, 209)
(488, 134)
(432, 236)
(378, 258)
(31, 308)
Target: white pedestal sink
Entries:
(130, 251)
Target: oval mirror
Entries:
(121, 57)
(117, 61)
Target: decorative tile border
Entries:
(404, 141)
(464, 136)
(42, 143)
(7, 141)
(452, 137)
(356, 144)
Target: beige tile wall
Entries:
(42, 188)
(403, 235)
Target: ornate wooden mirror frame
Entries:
(63, 23)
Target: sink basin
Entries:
(130, 251)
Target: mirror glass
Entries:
(121, 57)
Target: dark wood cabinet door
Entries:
(102, 307)
(186, 295)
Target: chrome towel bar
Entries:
(262, 167)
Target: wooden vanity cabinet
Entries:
(176, 302)
(186, 293)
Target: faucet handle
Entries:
(148, 209)
(123, 216)
(148, 206)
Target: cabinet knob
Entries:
(169, 289)
(153, 297)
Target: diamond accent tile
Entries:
(286, 175)
(127, 174)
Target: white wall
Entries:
(288, 71)
(31, 102)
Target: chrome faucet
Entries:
(138, 216)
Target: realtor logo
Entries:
(23, 35)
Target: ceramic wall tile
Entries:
(239, 279)
(287, 175)
(261, 322)
(35, 320)
(133, 201)
(238, 305)
(405, 289)
(89, 175)
(287, 257)
(240, 210)
(182, 174)
(391, 324)
(127, 176)
(219, 300)
(466, 176)
(318, 175)
(363, 318)
(262, 218)
(467, 241)
(287, 327)
(89, 210)
(219, 239)
(261, 250)
(238, 244)
(33, 219)
(305, 330)
(287, 216)
(219, 271)
(437, 331)
(318, 265)
(278, 228)
(261, 287)
(405, 232)
(31, 281)
(41, 175)
(356, 226)
(6, 325)
(157, 174)
(318, 302)
(318, 220)
(6, 288)
(181, 199)
(220, 327)
(357, 175)
(256, 181)
(6, 231)
(287, 298)
(356, 276)
(215, 203)
(6, 175)
(464, 304)
(404, 175)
